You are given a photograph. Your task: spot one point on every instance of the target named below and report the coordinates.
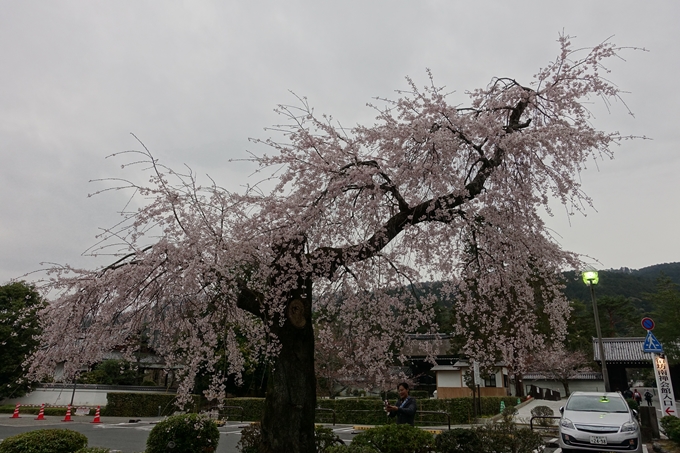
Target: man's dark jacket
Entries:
(406, 412)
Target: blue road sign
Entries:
(647, 323)
(651, 344)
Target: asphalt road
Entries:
(119, 434)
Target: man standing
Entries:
(405, 408)
(648, 397)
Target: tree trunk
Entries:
(519, 385)
(288, 422)
(565, 383)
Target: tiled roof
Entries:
(622, 350)
(580, 376)
(418, 344)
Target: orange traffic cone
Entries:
(16, 411)
(41, 414)
(96, 417)
(68, 415)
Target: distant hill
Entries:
(626, 282)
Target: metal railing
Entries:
(545, 427)
(448, 416)
(223, 409)
(418, 413)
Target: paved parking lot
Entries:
(119, 434)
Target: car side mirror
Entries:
(562, 410)
(635, 412)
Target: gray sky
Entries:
(194, 80)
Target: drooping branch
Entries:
(326, 260)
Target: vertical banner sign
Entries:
(663, 384)
(477, 376)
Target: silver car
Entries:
(594, 421)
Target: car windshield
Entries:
(594, 403)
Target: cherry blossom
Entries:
(345, 223)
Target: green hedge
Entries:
(143, 404)
(34, 410)
(370, 410)
(253, 409)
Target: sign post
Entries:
(663, 384)
(661, 370)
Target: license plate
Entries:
(598, 440)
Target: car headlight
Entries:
(628, 427)
(566, 423)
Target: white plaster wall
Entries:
(62, 397)
(448, 379)
(574, 386)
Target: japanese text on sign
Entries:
(664, 385)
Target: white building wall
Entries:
(62, 397)
(448, 379)
(574, 386)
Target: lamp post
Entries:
(591, 279)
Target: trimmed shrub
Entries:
(143, 404)
(670, 425)
(505, 437)
(419, 394)
(186, 433)
(370, 411)
(543, 411)
(458, 441)
(44, 441)
(396, 439)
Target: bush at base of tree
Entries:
(186, 433)
(44, 441)
(396, 439)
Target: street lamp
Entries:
(591, 279)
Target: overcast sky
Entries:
(194, 80)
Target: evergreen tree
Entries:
(666, 302)
(19, 304)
